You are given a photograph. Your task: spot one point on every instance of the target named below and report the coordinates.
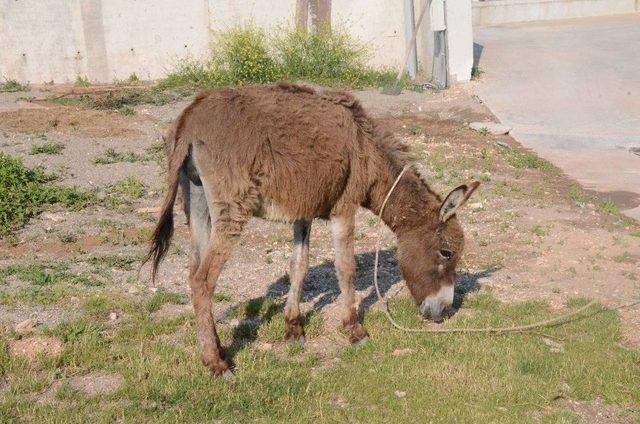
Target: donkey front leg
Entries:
(203, 283)
(342, 228)
(298, 268)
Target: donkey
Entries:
(289, 153)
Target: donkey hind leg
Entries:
(225, 233)
(198, 218)
(298, 268)
(342, 228)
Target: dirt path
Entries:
(531, 232)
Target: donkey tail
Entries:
(162, 234)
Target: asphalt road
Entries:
(571, 91)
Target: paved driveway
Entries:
(571, 91)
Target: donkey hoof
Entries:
(358, 334)
(228, 375)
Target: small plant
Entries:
(126, 111)
(415, 130)
(475, 73)
(132, 80)
(47, 149)
(540, 231)
(13, 86)
(527, 160)
(112, 156)
(130, 187)
(606, 205)
(82, 81)
(484, 131)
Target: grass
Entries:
(605, 205)
(161, 297)
(130, 187)
(46, 274)
(112, 156)
(43, 283)
(121, 101)
(123, 192)
(13, 86)
(49, 148)
(446, 378)
(82, 81)
(250, 55)
(520, 160)
(24, 193)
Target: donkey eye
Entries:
(446, 254)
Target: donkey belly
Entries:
(271, 210)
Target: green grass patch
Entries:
(520, 160)
(24, 193)
(112, 156)
(441, 375)
(445, 378)
(123, 192)
(49, 148)
(161, 297)
(12, 86)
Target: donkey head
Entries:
(428, 254)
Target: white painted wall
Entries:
(44, 40)
(459, 39)
(59, 40)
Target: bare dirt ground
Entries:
(531, 232)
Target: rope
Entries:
(562, 319)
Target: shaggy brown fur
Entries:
(289, 153)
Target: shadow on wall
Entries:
(477, 52)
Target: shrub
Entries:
(248, 55)
(244, 56)
(24, 192)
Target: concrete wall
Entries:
(495, 12)
(44, 40)
(59, 40)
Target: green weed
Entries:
(13, 86)
(476, 72)
(249, 55)
(521, 160)
(82, 81)
(24, 193)
(112, 156)
(47, 149)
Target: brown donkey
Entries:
(288, 153)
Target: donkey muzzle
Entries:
(437, 307)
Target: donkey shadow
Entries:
(321, 287)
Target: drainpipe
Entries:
(409, 30)
(440, 69)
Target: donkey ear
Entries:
(455, 199)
